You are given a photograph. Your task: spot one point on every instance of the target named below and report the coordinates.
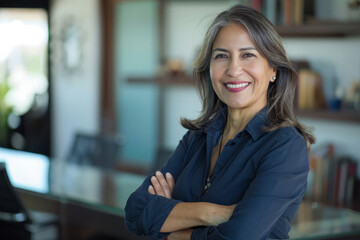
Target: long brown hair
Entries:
(280, 97)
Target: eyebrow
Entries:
(241, 49)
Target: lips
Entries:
(236, 86)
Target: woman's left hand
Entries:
(162, 186)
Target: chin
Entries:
(236, 106)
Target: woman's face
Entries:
(240, 75)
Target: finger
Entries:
(170, 180)
(151, 190)
(164, 184)
(156, 185)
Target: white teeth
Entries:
(237, 85)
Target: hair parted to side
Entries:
(280, 97)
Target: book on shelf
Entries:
(310, 95)
(257, 4)
(284, 12)
(298, 12)
(288, 12)
(269, 10)
(331, 178)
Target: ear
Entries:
(273, 76)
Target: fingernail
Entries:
(158, 173)
(168, 175)
(153, 178)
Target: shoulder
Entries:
(285, 139)
(284, 149)
(285, 134)
(192, 136)
(288, 133)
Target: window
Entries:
(24, 81)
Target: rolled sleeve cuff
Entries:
(155, 213)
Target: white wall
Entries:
(75, 95)
(185, 26)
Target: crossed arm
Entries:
(186, 215)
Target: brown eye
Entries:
(218, 56)
(248, 55)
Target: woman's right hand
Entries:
(162, 186)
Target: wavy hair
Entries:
(280, 96)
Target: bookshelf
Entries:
(184, 80)
(311, 18)
(332, 179)
(342, 115)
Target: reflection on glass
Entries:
(23, 69)
(26, 170)
(315, 220)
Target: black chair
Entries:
(95, 150)
(16, 222)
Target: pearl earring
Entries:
(274, 78)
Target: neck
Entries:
(237, 119)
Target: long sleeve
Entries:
(278, 186)
(146, 213)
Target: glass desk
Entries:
(86, 197)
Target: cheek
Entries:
(214, 74)
(217, 70)
(260, 75)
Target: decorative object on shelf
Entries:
(352, 97)
(72, 42)
(354, 4)
(175, 67)
(171, 73)
(354, 9)
(310, 94)
(336, 101)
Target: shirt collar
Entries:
(255, 127)
(218, 122)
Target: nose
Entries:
(234, 68)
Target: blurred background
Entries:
(120, 72)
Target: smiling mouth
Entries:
(236, 87)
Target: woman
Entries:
(240, 171)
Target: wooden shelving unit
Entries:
(169, 80)
(183, 80)
(342, 115)
(320, 29)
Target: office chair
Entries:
(95, 150)
(16, 223)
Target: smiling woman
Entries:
(240, 171)
(239, 74)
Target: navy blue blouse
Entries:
(264, 173)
